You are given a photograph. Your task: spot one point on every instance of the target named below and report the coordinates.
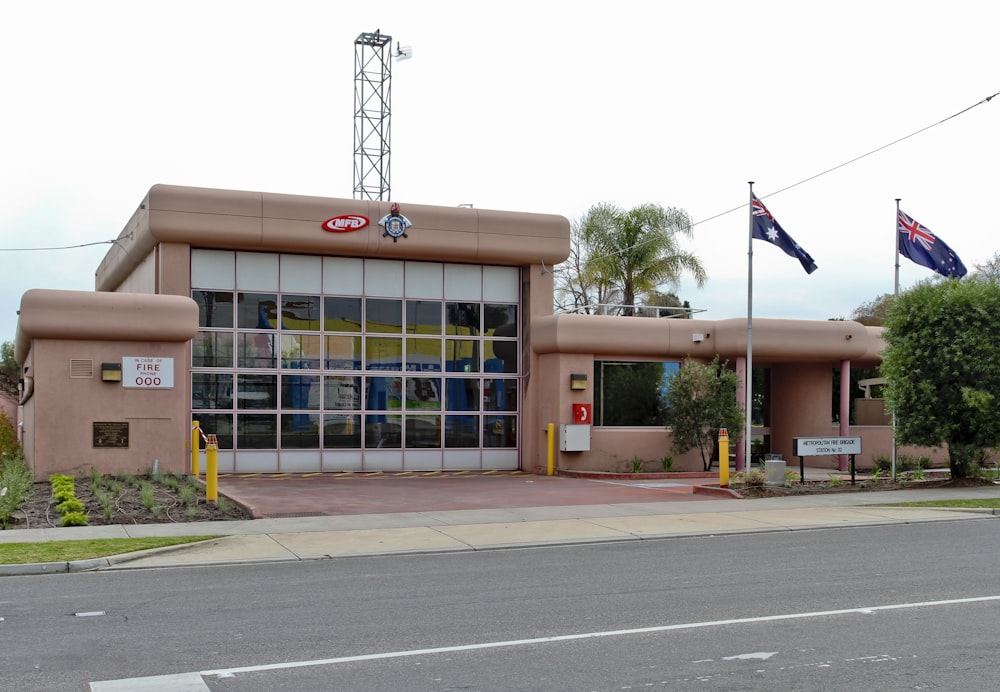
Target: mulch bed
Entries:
(127, 506)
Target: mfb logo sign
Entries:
(345, 223)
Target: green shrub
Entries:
(15, 485)
(75, 519)
(70, 506)
(904, 463)
(9, 446)
(668, 462)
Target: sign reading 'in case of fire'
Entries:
(145, 372)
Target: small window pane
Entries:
(423, 432)
(383, 353)
(383, 432)
(215, 309)
(423, 393)
(462, 319)
(256, 350)
(423, 355)
(384, 316)
(500, 431)
(300, 392)
(462, 395)
(384, 393)
(211, 390)
(257, 431)
(212, 350)
(341, 432)
(342, 314)
(423, 317)
(300, 313)
(500, 395)
(342, 393)
(461, 431)
(461, 355)
(257, 311)
(500, 356)
(300, 431)
(218, 424)
(343, 352)
(257, 391)
(500, 319)
(300, 351)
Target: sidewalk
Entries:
(325, 537)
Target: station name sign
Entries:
(821, 446)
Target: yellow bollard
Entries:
(551, 432)
(195, 440)
(723, 458)
(211, 469)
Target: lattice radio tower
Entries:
(372, 113)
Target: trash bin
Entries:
(774, 469)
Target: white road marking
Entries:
(530, 642)
(182, 682)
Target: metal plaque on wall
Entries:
(110, 434)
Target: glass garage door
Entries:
(308, 363)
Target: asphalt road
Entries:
(884, 608)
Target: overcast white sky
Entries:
(525, 106)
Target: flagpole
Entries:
(895, 294)
(896, 235)
(748, 398)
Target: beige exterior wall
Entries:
(63, 338)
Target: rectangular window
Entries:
(257, 430)
(423, 317)
(257, 311)
(300, 313)
(300, 431)
(218, 424)
(631, 393)
(341, 393)
(212, 350)
(215, 308)
(300, 392)
(341, 432)
(423, 432)
(341, 314)
(257, 391)
(343, 352)
(300, 351)
(211, 390)
(256, 350)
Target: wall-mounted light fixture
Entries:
(111, 372)
(697, 338)
(578, 381)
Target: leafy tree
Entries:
(872, 313)
(701, 398)
(942, 368)
(575, 288)
(10, 371)
(990, 269)
(637, 250)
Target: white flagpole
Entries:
(748, 399)
(896, 295)
(896, 236)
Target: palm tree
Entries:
(637, 250)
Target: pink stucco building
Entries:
(317, 334)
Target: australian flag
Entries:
(926, 249)
(766, 228)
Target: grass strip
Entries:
(66, 551)
(984, 503)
